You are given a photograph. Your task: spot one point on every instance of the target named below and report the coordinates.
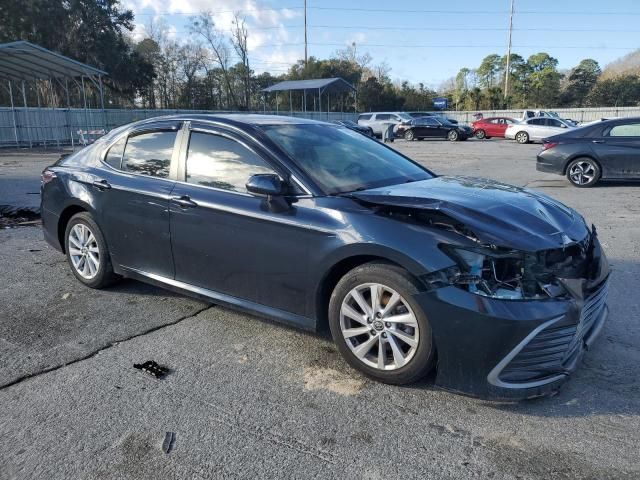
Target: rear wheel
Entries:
(378, 326)
(87, 252)
(583, 172)
(522, 137)
(409, 135)
(453, 136)
(481, 134)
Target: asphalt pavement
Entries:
(248, 398)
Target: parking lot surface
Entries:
(247, 398)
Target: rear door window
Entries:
(149, 153)
(536, 121)
(383, 116)
(628, 130)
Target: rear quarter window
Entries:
(365, 117)
(114, 154)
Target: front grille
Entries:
(554, 348)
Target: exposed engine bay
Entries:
(494, 271)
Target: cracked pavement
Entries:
(249, 398)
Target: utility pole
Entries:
(506, 73)
(305, 33)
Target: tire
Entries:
(453, 136)
(409, 135)
(522, 137)
(583, 172)
(92, 272)
(403, 362)
(480, 134)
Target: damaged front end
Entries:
(505, 273)
(510, 321)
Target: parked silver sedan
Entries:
(535, 129)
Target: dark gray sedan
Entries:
(607, 150)
(318, 226)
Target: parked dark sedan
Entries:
(368, 131)
(315, 225)
(607, 150)
(432, 127)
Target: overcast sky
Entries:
(422, 41)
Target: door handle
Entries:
(597, 141)
(184, 201)
(101, 184)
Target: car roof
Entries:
(233, 118)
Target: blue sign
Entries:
(440, 103)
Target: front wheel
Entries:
(522, 137)
(583, 172)
(453, 136)
(409, 135)
(378, 326)
(481, 134)
(87, 252)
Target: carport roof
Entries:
(23, 60)
(334, 84)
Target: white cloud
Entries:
(267, 26)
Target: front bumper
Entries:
(510, 349)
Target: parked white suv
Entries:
(378, 120)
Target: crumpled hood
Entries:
(497, 213)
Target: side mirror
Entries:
(268, 184)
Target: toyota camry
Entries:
(499, 289)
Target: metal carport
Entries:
(322, 85)
(22, 62)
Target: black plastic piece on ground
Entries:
(152, 368)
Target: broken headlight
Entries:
(490, 273)
(493, 272)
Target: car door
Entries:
(133, 199)
(228, 241)
(555, 126)
(619, 150)
(380, 122)
(491, 127)
(536, 127)
(430, 127)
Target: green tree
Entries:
(488, 71)
(89, 31)
(580, 81)
(543, 79)
(623, 91)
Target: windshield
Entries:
(340, 160)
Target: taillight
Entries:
(548, 145)
(47, 176)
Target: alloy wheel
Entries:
(582, 173)
(379, 326)
(522, 137)
(84, 251)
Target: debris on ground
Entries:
(12, 216)
(153, 369)
(169, 441)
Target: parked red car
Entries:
(491, 127)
